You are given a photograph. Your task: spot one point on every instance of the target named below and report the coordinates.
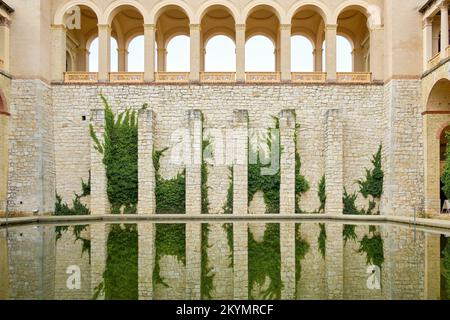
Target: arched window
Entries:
(259, 54)
(302, 57)
(220, 54)
(344, 56)
(178, 57)
(136, 54)
(93, 56)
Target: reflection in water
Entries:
(238, 260)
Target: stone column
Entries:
(432, 266)
(99, 253)
(58, 52)
(123, 59)
(5, 42)
(334, 162)
(431, 125)
(194, 30)
(161, 61)
(318, 60)
(240, 259)
(334, 261)
(377, 52)
(194, 162)
(330, 36)
(287, 161)
(427, 41)
(99, 197)
(240, 163)
(193, 260)
(104, 52)
(146, 260)
(444, 29)
(285, 52)
(240, 52)
(146, 171)
(4, 156)
(287, 250)
(149, 52)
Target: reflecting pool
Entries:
(221, 260)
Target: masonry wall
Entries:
(5, 87)
(361, 108)
(31, 155)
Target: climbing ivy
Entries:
(171, 193)
(206, 282)
(228, 206)
(373, 183)
(445, 178)
(264, 260)
(268, 184)
(204, 178)
(372, 246)
(322, 239)
(120, 156)
(170, 240)
(301, 184)
(322, 194)
(301, 249)
(121, 271)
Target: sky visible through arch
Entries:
(220, 55)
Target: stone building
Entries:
(397, 95)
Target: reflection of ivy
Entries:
(372, 246)
(228, 227)
(301, 249)
(349, 233)
(204, 179)
(121, 271)
(120, 157)
(171, 193)
(170, 240)
(269, 184)
(264, 260)
(446, 264)
(322, 239)
(206, 283)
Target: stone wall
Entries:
(5, 88)
(361, 108)
(31, 155)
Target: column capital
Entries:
(149, 26)
(444, 5)
(427, 22)
(52, 27)
(285, 26)
(331, 27)
(104, 27)
(5, 22)
(376, 27)
(195, 27)
(240, 27)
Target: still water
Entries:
(240, 260)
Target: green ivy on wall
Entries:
(301, 184)
(228, 205)
(301, 249)
(170, 240)
(171, 193)
(322, 240)
(321, 193)
(120, 156)
(121, 270)
(445, 178)
(264, 260)
(373, 183)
